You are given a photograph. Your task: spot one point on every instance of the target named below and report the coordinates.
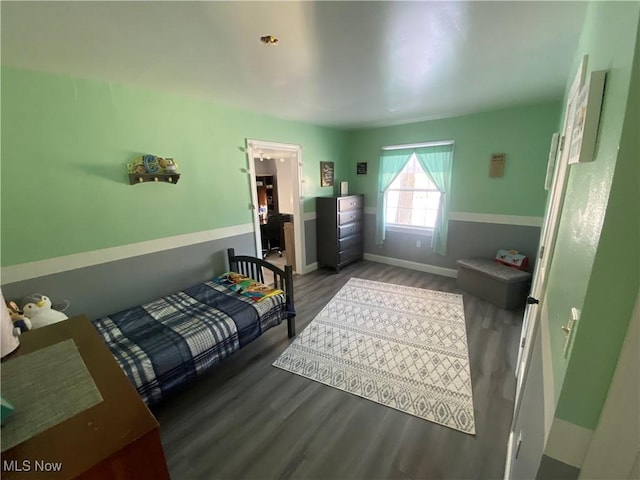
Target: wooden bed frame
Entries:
(283, 279)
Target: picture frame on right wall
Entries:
(586, 118)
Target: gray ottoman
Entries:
(505, 287)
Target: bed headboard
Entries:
(283, 279)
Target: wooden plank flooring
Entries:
(247, 419)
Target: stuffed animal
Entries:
(41, 312)
(9, 338)
(18, 318)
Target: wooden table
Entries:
(118, 438)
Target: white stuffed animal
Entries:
(38, 309)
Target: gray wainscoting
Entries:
(100, 290)
(310, 241)
(466, 239)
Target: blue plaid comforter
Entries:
(163, 344)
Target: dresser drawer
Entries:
(339, 230)
(349, 216)
(350, 254)
(350, 203)
(349, 229)
(352, 241)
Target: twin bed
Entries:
(163, 344)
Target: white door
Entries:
(549, 230)
(531, 320)
(293, 156)
(543, 262)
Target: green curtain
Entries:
(437, 162)
(391, 164)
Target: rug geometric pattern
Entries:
(403, 347)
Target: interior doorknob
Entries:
(532, 301)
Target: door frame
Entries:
(252, 149)
(546, 249)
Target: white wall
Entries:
(285, 185)
(265, 167)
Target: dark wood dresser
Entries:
(339, 230)
(118, 438)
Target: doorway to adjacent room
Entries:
(276, 197)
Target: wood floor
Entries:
(246, 419)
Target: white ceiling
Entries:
(343, 64)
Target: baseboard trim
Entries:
(568, 443)
(310, 268)
(422, 267)
(49, 266)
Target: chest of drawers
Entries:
(339, 230)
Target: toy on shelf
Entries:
(39, 309)
(20, 321)
(151, 168)
(168, 165)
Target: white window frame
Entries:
(397, 227)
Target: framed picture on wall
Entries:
(361, 168)
(586, 118)
(326, 174)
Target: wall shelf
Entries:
(135, 178)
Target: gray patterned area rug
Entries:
(402, 347)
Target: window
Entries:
(412, 199)
(414, 190)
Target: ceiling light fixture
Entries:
(269, 40)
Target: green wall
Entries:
(65, 143)
(523, 133)
(597, 259)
